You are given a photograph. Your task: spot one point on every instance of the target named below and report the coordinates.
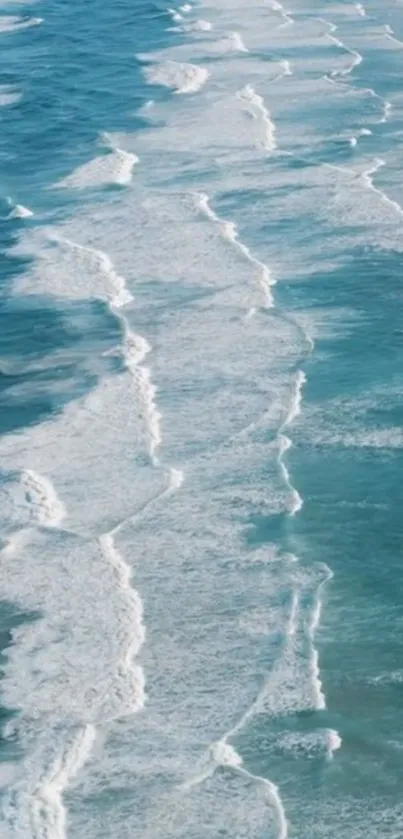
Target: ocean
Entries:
(201, 611)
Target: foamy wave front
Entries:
(116, 167)
(179, 76)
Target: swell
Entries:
(48, 813)
(301, 631)
(340, 76)
(36, 803)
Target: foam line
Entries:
(47, 510)
(366, 177)
(313, 624)
(135, 350)
(391, 35)
(258, 109)
(278, 7)
(136, 637)
(115, 290)
(229, 231)
(226, 755)
(223, 754)
(357, 57)
(293, 620)
(295, 502)
(47, 807)
(135, 347)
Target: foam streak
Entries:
(47, 510)
(295, 502)
(48, 813)
(258, 110)
(229, 231)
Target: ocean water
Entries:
(201, 442)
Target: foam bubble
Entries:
(199, 26)
(43, 499)
(47, 808)
(179, 76)
(225, 754)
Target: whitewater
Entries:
(199, 453)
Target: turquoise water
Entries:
(201, 423)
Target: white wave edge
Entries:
(113, 168)
(19, 211)
(181, 77)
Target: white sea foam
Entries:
(116, 167)
(213, 376)
(12, 23)
(287, 67)
(258, 109)
(179, 76)
(360, 9)
(40, 494)
(311, 745)
(295, 407)
(176, 16)
(19, 211)
(356, 56)
(48, 812)
(312, 628)
(278, 7)
(72, 270)
(295, 501)
(387, 110)
(229, 231)
(135, 350)
(236, 43)
(9, 95)
(367, 178)
(113, 288)
(390, 34)
(131, 647)
(197, 26)
(334, 741)
(363, 132)
(224, 754)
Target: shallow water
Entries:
(201, 423)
